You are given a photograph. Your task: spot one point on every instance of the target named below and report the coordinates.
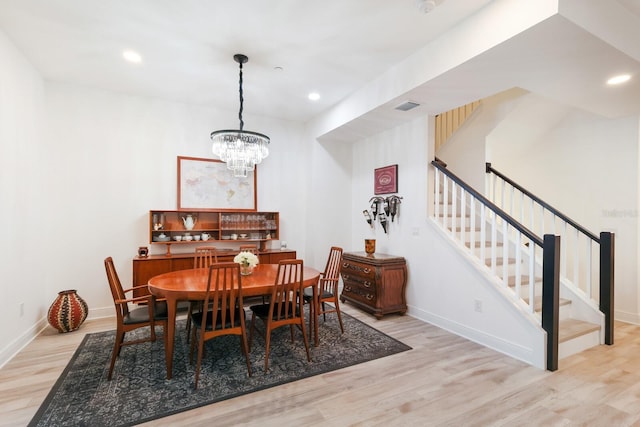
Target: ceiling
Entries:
(333, 47)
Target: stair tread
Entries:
(479, 244)
(537, 302)
(524, 280)
(500, 261)
(573, 328)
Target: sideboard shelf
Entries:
(242, 227)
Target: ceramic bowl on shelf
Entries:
(226, 237)
(187, 238)
(196, 238)
(177, 238)
(243, 236)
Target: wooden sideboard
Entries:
(145, 268)
(376, 283)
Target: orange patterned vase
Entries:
(68, 311)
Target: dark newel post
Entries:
(551, 296)
(607, 253)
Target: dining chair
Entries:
(249, 248)
(284, 307)
(226, 315)
(154, 313)
(204, 257)
(327, 290)
(254, 250)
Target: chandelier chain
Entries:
(241, 100)
(240, 149)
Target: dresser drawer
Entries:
(357, 291)
(358, 269)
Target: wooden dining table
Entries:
(191, 285)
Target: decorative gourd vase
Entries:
(68, 311)
(245, 270)
(370, 246)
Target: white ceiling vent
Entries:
(407, 105)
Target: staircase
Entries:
(518, 258)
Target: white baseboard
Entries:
(9, 352)
(527, 355)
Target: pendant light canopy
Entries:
(241, 150)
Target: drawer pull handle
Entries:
(365, 270)
(369, 297)
(367, 284)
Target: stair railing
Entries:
(487, 232)
(583, 255)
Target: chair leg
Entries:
(312, 314)
(245, 350)
(192, 345)
(339, 315)
(267, 346)
(189, 313)
(199, 361)
(117, 345)
(304, 338)
(251, 329)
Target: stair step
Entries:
(537, 302)
(524, 280)
(478, 244)
(467, 229)
(500, 261)
(573, 328)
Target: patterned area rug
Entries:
(139, 390)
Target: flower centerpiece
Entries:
(247, 261)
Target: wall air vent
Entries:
(407, 105)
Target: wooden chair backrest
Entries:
(205, 256)
(331, 276)
(122, 309)
(286, 303)
(224, 295)
(249, 248)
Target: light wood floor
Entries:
(444, 381)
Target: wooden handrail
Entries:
(554, 211)
(488, 203)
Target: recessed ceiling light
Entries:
(314, 96)
(132, 56)
(619, 79)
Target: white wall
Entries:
(82, 188)
(328, 200)
(442, 285)
(24, 197)
(587, 167)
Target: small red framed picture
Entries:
(385, 180)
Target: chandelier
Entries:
(240, 149)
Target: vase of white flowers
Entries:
(247, 262)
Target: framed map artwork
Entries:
(207, 184)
